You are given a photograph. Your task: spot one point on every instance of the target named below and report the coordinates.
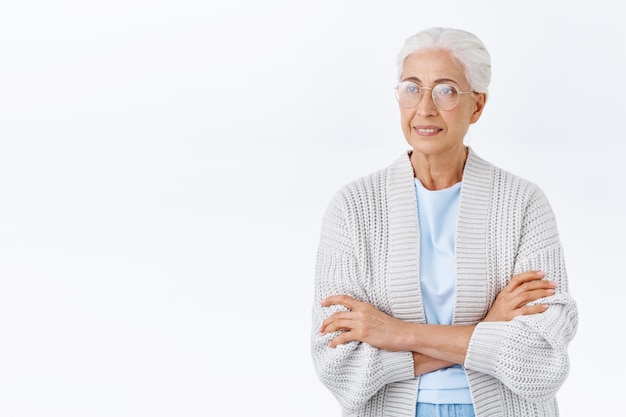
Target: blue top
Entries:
(438, 212)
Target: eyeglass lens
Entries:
(445, 96)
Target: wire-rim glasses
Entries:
(445, 96)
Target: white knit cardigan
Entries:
(369, 249)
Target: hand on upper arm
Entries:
(513, 300)
(364, 323)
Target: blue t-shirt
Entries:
(438, 212)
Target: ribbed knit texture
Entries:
(369, 249)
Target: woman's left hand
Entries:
(364, 323)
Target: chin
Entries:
(429, 147)
(434, 146)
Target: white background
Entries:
(164, 168)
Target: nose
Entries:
(426, 106)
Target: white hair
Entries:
(463, 46)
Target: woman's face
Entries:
(428, 129)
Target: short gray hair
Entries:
(463, 46)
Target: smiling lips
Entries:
(427, 130)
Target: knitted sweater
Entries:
(369, 249)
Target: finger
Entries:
(538, 285)
(345, 337)
(529, 310)
(526, 297)
(326, 323)
(527, 276)
(337, 325)
(344, 300)
(531, 291)
(524, 277)
(540, 293)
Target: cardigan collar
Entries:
(404, 238)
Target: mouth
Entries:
(426, 130)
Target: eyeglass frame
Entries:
(431, 94)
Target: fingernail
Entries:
(541, 274)
(553, 284)
(545, 306)
(550, 291)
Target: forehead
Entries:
(428, 66)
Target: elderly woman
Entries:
(440, 283)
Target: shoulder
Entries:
(505, 184)
(368, 191)
(520, 204)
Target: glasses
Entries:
(445, 96)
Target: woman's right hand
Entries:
(514, 298)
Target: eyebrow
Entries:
(437, 81)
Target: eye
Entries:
(446, 90)
(411, 88)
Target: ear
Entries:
(480, 99)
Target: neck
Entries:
(440, 171)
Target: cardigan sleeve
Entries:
(529, 353)
(354, 372)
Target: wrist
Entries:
(409, 337)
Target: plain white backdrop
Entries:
(164, 168)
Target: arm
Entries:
(511, 302)
(529, 354)
(353, 372)
(423, 364)
(433, 346)
(450, 343)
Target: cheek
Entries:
(465, 115)
(406, 115)
(459, 120)
(405, 122)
